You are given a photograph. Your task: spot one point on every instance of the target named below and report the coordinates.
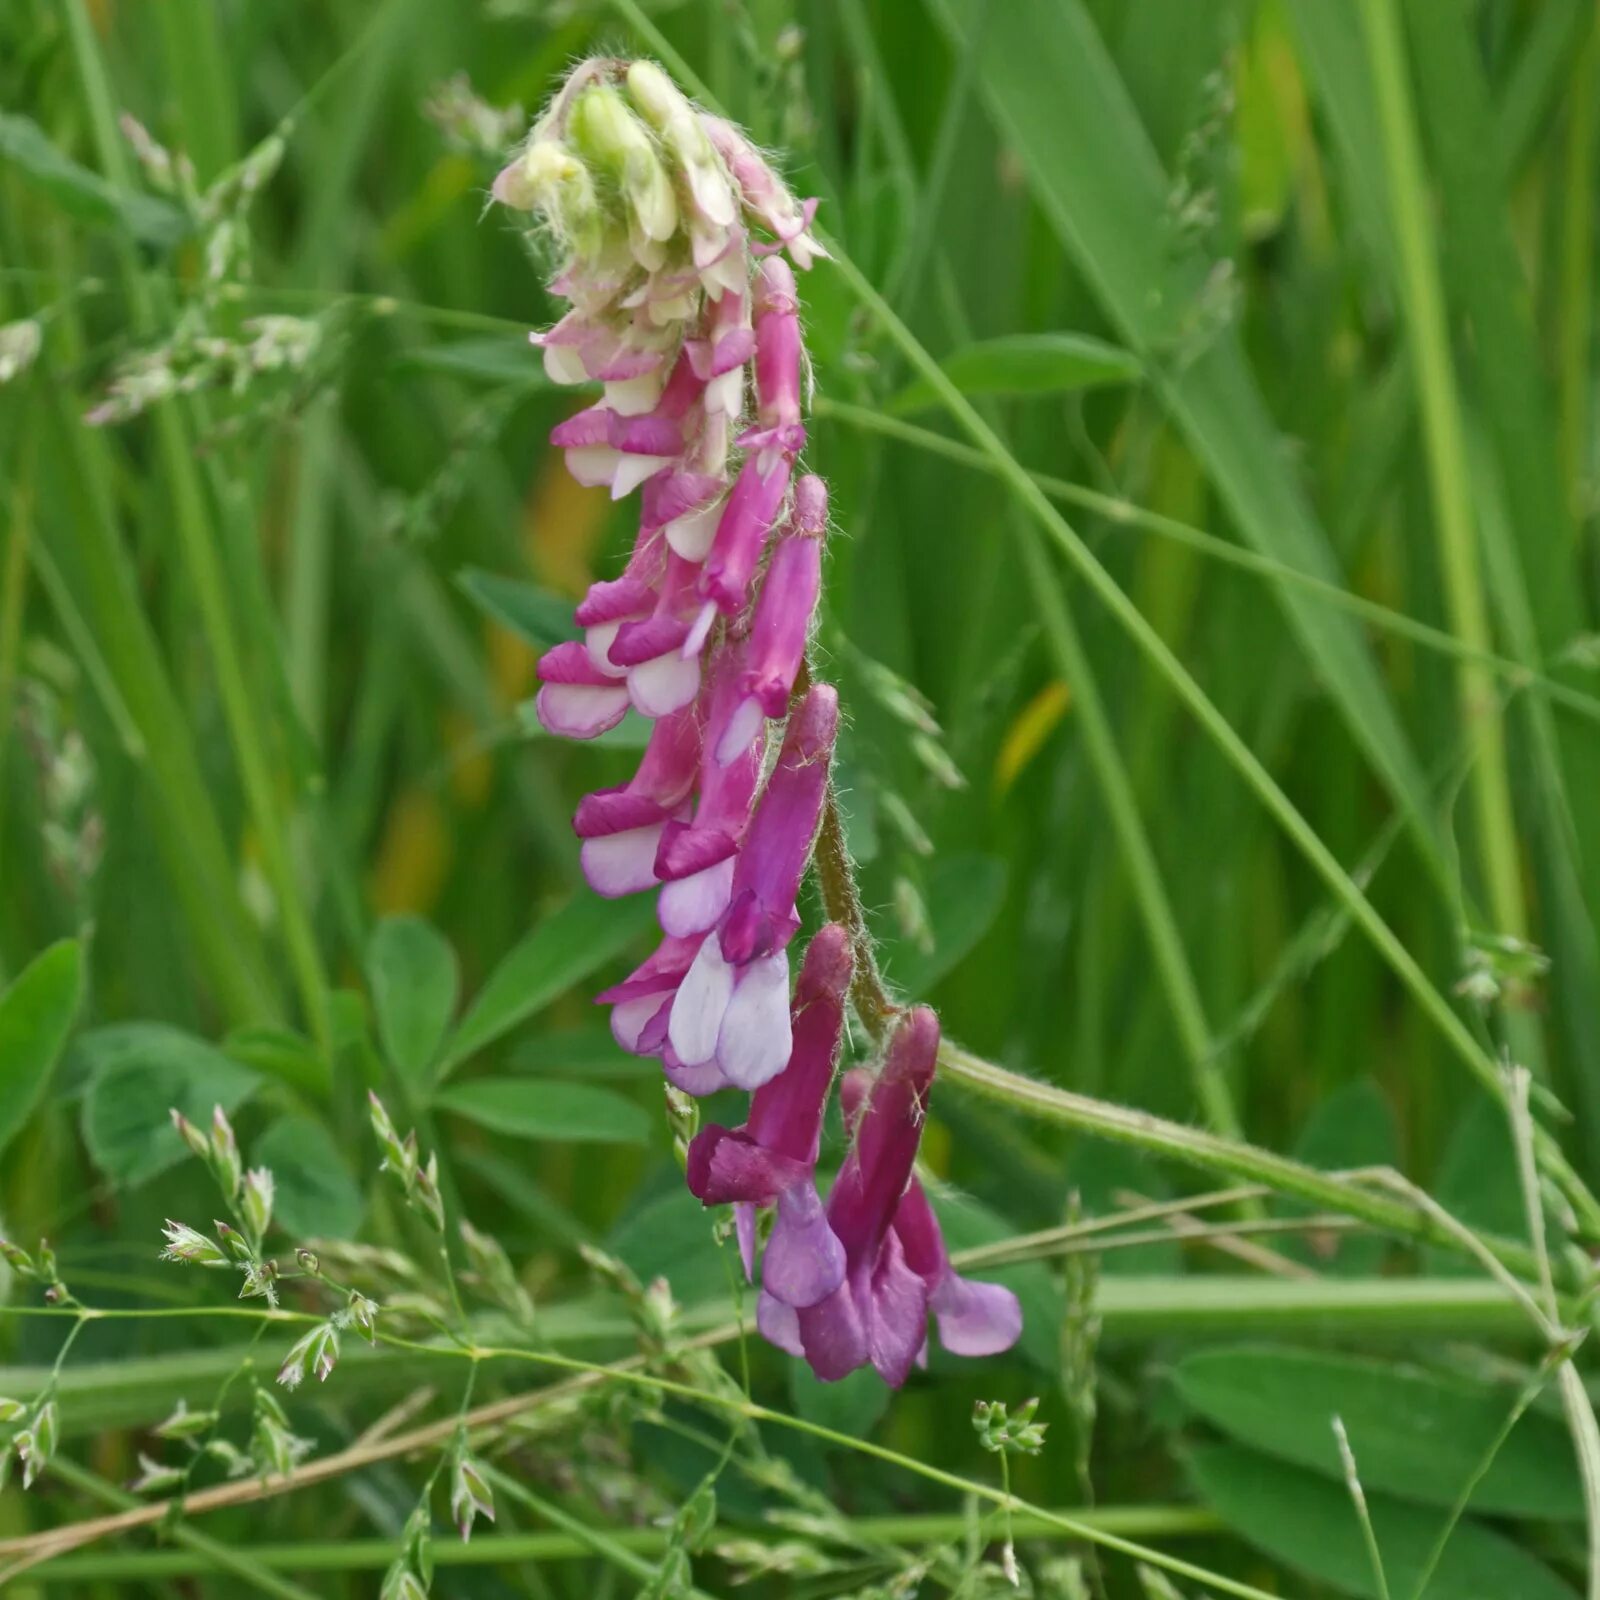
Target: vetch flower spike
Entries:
(679, 244)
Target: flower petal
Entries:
(700, 1005)
(755, 1038)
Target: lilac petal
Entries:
(833, 1336)
(779, 1325)
(621, 863)
(692, 904)
(668, 683)
(701, 1003)
(782, 620)
(744, 1228)
(671, 760)
(742, 533)
(876, 1172)
(804, 1262)
(677, 494)
(755, 1037)
(976, 1319)
(898, 1318)
(778, 844)
(628, 1019)
(653, 1035)
(580, 711)
(704, 1078)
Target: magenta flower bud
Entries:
(777, 643)
(578, 700)
(782, 832)
(742, 533)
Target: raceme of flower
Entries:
(678, 242)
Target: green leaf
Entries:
(316, 1195)
(563, 950)
(671, 1235)
(36, 1013)
(1309, 1524)
(964, 894)
(852, 1406)
(582, 1053)
(491, 359)
(1354, 1127)
(1415, 1434)
(539, 1108)
(85, 194)
(537, 615)
(415, 986)
(279, 1052)
(1025, 364)
(138, 1072)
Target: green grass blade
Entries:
(1053, 91)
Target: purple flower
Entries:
(896, 1266)
(682, 307)
(733, 1004)
(772, 1159)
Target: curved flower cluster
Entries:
(674, 231)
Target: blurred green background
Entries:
(1291, 302)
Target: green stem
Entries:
(492, 1550)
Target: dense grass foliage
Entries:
(1206, 393)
